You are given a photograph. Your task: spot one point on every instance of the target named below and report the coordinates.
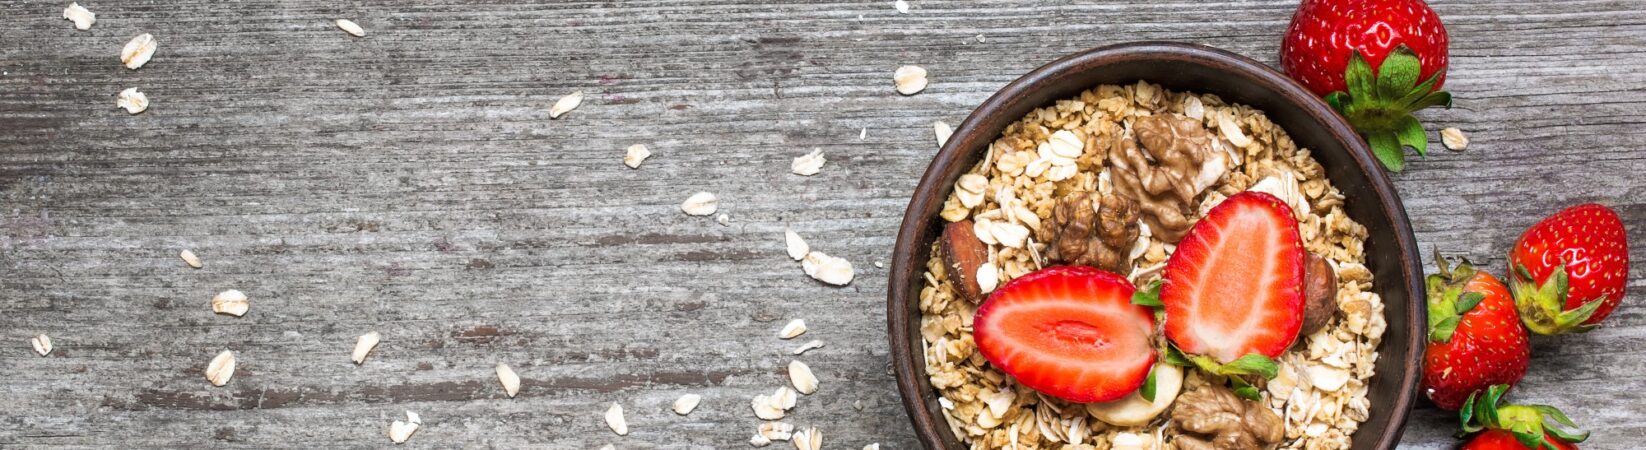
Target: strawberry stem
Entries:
(1447, 300)
(1543, 306)
(1379, 105)
(1530, 424)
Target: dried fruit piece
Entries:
(700, 204)
(942, 131)
(910, 79)
(635, 155)
(828, 269)
(400, 431)
(963, 255)
(1454, 139)
(614, 419)
(566, 104)
(1070, 332)
(138, 51)
(510, 380)
(686, 403)
(221, 368)
(231, 302)
(794, 328)
(134, 102)
(348, 26)
(81, 17)
(363, 346)
(801, 376)
(189, 258)
(796, 246)
(803, 348)
(808, 164)
(41, 344)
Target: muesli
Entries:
(1069, 185)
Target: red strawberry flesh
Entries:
(1069, 332)
(1234, 286)
(1590, 240)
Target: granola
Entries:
(1068, 147)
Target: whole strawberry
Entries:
(1570, 269)
(1475, 338)
(1332, 48)
(1515, 427)
(1505, 440)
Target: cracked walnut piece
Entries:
(1168, 163)
(1214, 418)
(1095, 230)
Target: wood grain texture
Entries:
(411, 182)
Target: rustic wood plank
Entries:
(411, 182)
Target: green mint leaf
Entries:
(1148, 389)
(1253, 364)
(1387, 149)
(1398, 73)
(1410, 133)
(1148, 295)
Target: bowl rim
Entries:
(908, 363)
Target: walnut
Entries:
(1319, 293)
(1214, 418)
(1092, 230)
(1165, 163)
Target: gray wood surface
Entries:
(411, 182)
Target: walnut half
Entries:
(1214, 418)
(1165, 163)
(1089, 229)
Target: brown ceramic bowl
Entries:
(1371, 200)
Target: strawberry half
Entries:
(1234, 287)
(1570, 269)
(1070, 332)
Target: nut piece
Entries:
(700, 204)
(1092, 230)
(635, 155)
(963, 254)
(942, 130)
(189, 258)
(401, 431)
(1174, 163)
(510, 380)
(231, 302)
(794, 328)
(614, 419)
(350, 27)
(220, 369)
(1319, 293)
(138, 51)
(828, 269)
(566, 104)
(802, 378)
(808, 164)
(134, 102)
(910, 79)
(796, 246)
(1454, 139)
(1212, 417)
(42, 344)
(686, 403)
(82, 18)
(363, 346)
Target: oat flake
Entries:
(81, 17)
(510, 380)
(796, 246)
(400, 431)
(614, 419)
(910, 80)
(808, 439)
(363, 346)
(1454, 139)
(808, 164)
(221, 368)
(138, 51)
(700, 204)
(231, 302)
(635, 155)
(41, 344)
(189, 258)
(134, 102)
(566, 104)
(803, 348)
(794, 328)
(828, 269)
(759, 441)
(348, 26)
(776, 431)
(943, 131)
(902, 6)
(686, 403)
(802, 378)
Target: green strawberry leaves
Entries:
(1379, 105)
(1528, 423)
(1543, 306)
(1447, 301)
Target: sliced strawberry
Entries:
(1070, 332)
(1235, 284)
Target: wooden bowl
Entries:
(1370, 199)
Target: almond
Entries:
(963, 253)
(1319, 293)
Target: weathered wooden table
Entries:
(412, 183)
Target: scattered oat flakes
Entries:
(363, 345)
(614, 419)
(400, 431)
(221, 368)
(759, 441)
(794, 328)
(796, 246)
(189, 258)
(808, 164)
(864, 134)
(874, 446)
(942, 130)
(350, 27)
(686, 403)
(82, 18)
(511, 381)
(700, 204)
(807, 439)
(803, 348)
(902, 6)
(1454, 139)
(636, 154)
(910, 80)
(134, 102)
(802, 378)
(828, 269)
(138, 51)
(42, 344)
(772, 407)
(231, 302)
(723, 219)
(566, 104)
(776, 431)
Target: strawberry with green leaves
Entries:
(1475, 337)
(1376, 62)
(1515, 427)
(1570, 269)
